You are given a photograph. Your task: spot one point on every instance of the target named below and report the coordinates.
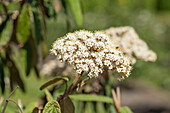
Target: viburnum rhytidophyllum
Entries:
(91, 52)
(130, 44)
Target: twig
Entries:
(81, 84)
(116, 99)
(16, 104)
(66, 93)
(8, 99)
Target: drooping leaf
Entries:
(55, 80)
(15, 77)
(48, 95)
(38, 33)
(67, 106)
(31, 54)
(2, 82)
(24, 25)
(125, 110)
(52, 107)
(5, 31)
(89, 97)
(76, 9)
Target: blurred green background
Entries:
(150, 19)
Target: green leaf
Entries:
(78, 106)
(76, 9)
(15, 75)
(29, 108)
(100, 107)
(24, 25)
(67, 105)
(89, 97)
(89, 108)
(30, 54)
(52, 107)
(125, 110)
(55, 80)
(49, 96)
(2, 75)
(38, 32)
(13, 6)
(44, 48)
(5, 34)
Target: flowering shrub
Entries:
(91, 52)
(129, 42)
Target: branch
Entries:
(8, 99)
(67, 92)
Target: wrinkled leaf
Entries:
(48, 95)
(67, 106)
(125, 110)
(24, 25)
(76, 9)
(55, 80)
(89, 97)
(5, 32)
(52, 107)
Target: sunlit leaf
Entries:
(67, 105)
(52, 107)
(125, 110)
(5, 32)
(48, 95)
(76, 9)
(24, 25)
(89, 97)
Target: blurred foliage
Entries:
(23, 35)
(26, 36)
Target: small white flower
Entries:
(90, 52)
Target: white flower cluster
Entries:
(90, 52)
(129, 42)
